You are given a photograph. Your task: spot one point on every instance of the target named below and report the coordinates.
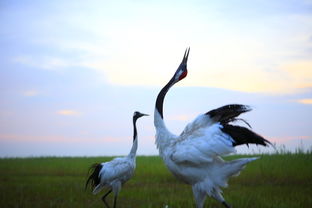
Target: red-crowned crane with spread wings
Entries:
(194, 156)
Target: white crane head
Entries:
(182, 69)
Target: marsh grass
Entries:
(278, 180)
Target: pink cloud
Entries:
(181, 117)
(288, 138)
(57, 138)
(67, 112)
(31, 93)
(307, 101)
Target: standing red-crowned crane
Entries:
(194, 155)
(115, 173)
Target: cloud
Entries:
(284, 139)
(67, 112)
(307, 101)
(227, 51)
(236, 63)
(42, 62)
(299, 73)
(181, 117)
(31, 93)
(58, 138)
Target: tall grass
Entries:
(279, 180)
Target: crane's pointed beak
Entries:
(186, 54)
(142, 114)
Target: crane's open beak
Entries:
(185, 57)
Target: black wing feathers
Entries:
(228, 113)
(94, 176)
(239, 134)
(242, 135)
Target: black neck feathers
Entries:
(135, 133)
(181, 72)
(161, 97)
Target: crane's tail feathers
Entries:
(242, 135)
(94, 178)
(228, 113)
(219, 177)
(233, 168)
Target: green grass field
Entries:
(281, 180)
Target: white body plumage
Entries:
(194, 155)
(115, 173)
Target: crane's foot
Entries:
(226, 204)
(105, 203)
(103, 198)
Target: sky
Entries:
(73, 72)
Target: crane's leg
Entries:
(226, 204)
(116, 188)
(103, 198)
(115, 200)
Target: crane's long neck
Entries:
(135, 140)
(161, 97)
(163, 135)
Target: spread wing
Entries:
(223, 115)
(211, 135)
(203, 145)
